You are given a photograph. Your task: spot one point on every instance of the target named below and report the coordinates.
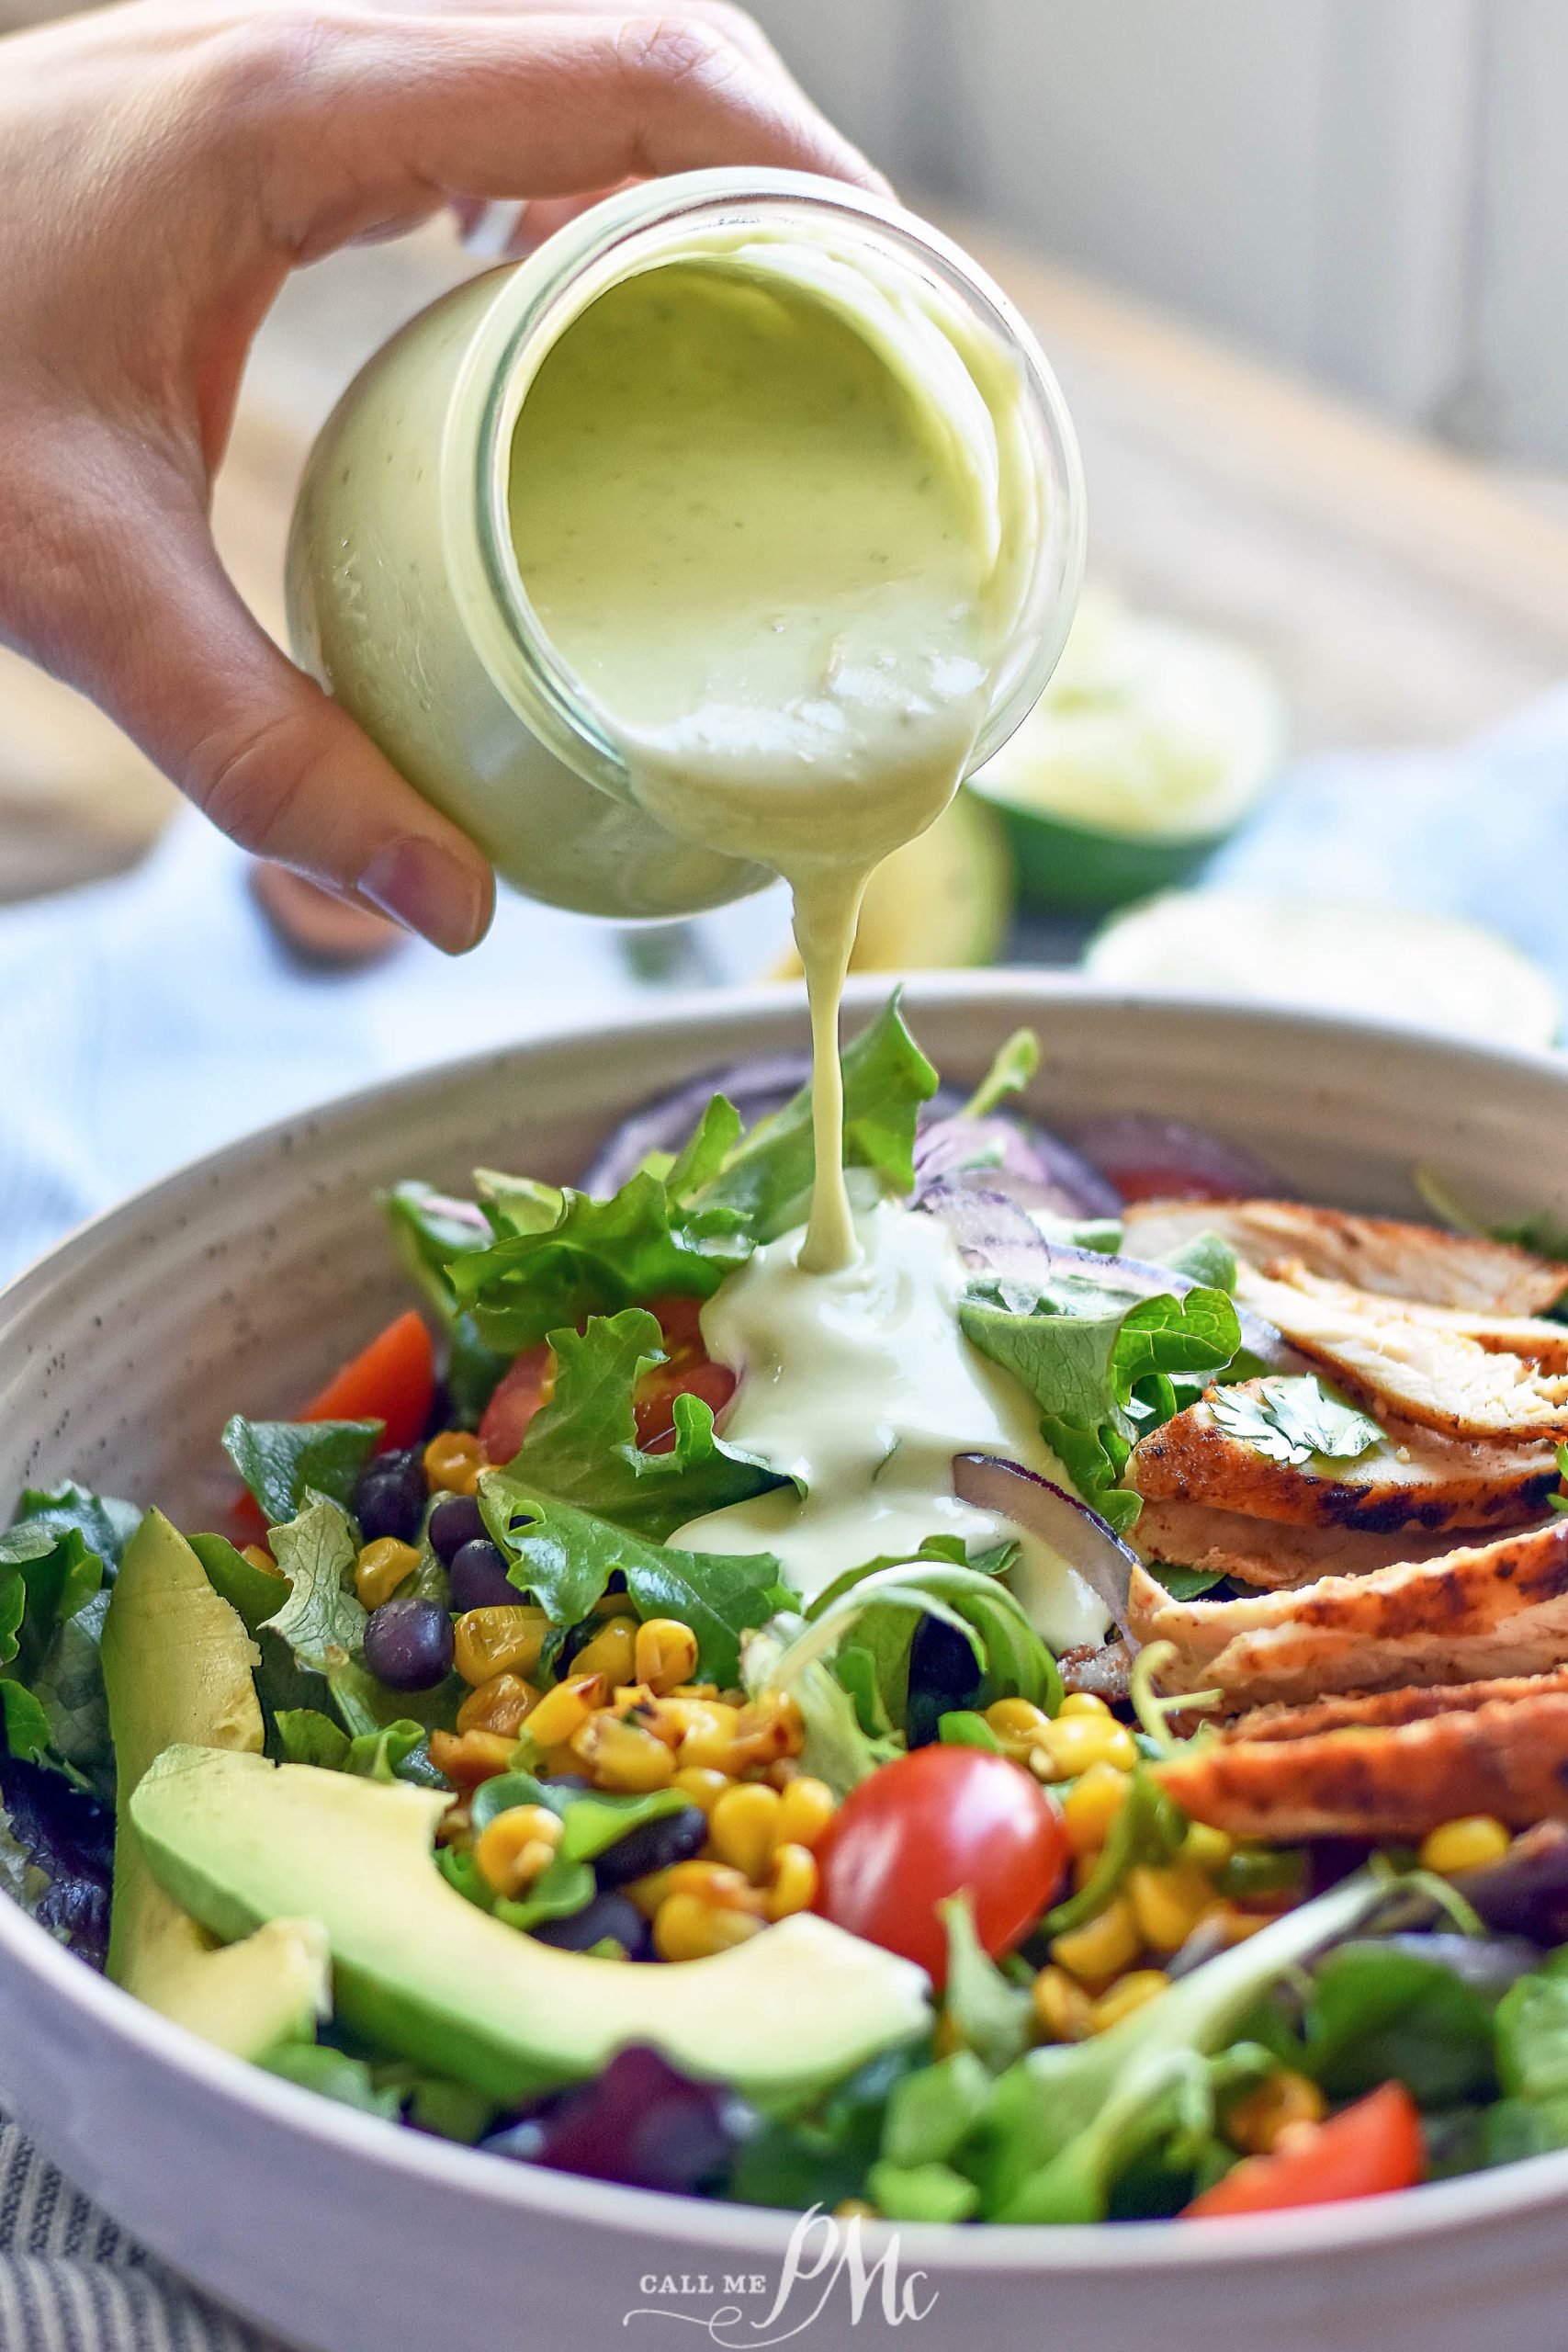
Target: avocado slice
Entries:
(177, 1665)
(417, 1970)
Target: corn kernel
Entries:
(1017, 1724)
(467, 1758)
(1091, 1804)
(501, 1704)
(695, 1691)
(381, 1568)
(806, 1807)
(516, 1845)
(1468, 1844)
(503, 1640)
(779, 1774)
(666, 1653)
(792, 1882)
(260, 1557)
(455, 1825)
(611, 1652)
(1069, 1746)
(741, 1828)
(561, 1713)
(715, 1883)
(700, 1785)
(1211, 1850)
(1281, 2101)
(1082, 1702)
(623, 1756)
(768, 1728)
(1061, 2006)
(1129, 1993)
(855, 2208)
(1101, 1948)
(1167, 1904)
(453, 1461)
(685, 1927)
(708, 1738)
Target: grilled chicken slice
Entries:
(1392, 1766)
(1499, 1608)
(1378, 1254)
(1392, 1361)
(1270, 1554)
(1416, 1479)
(1540, 1342)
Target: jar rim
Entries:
(539, 299)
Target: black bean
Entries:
(390, 1497)
(653, 1846)
(943, 1675)
(407, 1644)
(456, 1521)
(606, 1915)
(477, 1570)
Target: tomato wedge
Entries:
(392, 1381)
(687, 1371)
(1365, 2151)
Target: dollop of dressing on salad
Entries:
(776, 506)
(861, 1385)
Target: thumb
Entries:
(188, 672)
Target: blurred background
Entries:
(1302, 266)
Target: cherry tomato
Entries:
(939, 1822)
(520, 1392)
(686, 1371)
(1365, 2151)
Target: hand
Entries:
(162, 168)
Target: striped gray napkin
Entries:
(72, 2281)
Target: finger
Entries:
(184, 669)
(379, 110)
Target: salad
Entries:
(1065, 1720)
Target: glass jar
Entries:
(405, 594)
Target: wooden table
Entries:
(1400, 593)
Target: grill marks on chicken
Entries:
(1416, 1478)
(1495, 1609)
(1388, 1766)
(1381, 1254)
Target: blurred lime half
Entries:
(1150, 745)
(1332, 955)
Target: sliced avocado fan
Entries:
(177, 1667)
(237, 1841)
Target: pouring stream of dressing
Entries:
(779, 511)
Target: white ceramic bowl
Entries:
(235, 1285)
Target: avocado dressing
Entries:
(777, 507)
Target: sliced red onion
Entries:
(995, 1236)
(1526, 1890)
(1085, 1540)
(1012, 1155)
(755, 1087)
(1147, 1160)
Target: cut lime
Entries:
(1148, 749)
(1332, 955)
(941, 901)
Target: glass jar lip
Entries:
(535, 302)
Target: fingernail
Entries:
(445, 898)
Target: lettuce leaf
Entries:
(282, 1462)
(582, 1447)
(597, 1256)
(766, 1179)
(52, 1600)
(566, 1557)
(1105, 1376)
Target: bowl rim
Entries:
(1469, 2201)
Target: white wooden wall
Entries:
(1375, 191)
